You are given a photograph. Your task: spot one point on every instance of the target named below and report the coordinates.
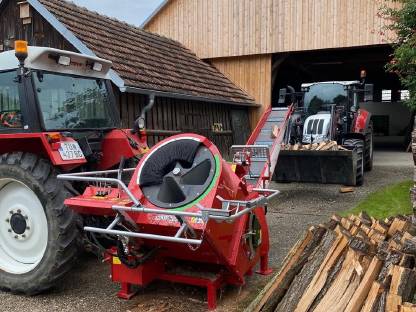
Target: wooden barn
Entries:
(191, 95)
(264, 45)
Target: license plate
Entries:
(70, 151)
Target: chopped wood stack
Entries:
(323, 146)
(348, 264)
(413, 190)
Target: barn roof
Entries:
(142, 61)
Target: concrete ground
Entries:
(299, 206)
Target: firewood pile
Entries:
(413, 190)
(348, 264)
(323, 146)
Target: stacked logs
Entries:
(323, 146)
(413, 190)
(348, 264)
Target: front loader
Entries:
(57, 115)
(327, 112)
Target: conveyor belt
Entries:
(264, 148)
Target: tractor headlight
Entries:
(97, 66)
(64, 60)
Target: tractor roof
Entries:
(344, 83)
(47, 59)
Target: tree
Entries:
(403, 63)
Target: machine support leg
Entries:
(264, 265)
(212, 296)
(125, 291)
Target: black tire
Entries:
(369, 148)
(358, 145)
(61, 250)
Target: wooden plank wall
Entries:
(179, 116)
(38, 32)
(222, 28)
(252, 74)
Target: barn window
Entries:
(404, 95)
(386, 95)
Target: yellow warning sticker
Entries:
(116, 260)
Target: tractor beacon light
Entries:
(186, 216)
(20, 47)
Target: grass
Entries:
(389, 201)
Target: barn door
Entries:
(241, 126)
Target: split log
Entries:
(398, 225)
(403, 282)
(293, 263)
(343, 287)
(321, 276)
(393, 303)
(294, 293)
(372, 298)
(358, 298)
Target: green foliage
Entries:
(390, 201)
(403, 23)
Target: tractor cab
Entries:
(68, 97)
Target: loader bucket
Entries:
(338, 167)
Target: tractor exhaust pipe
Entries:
(140, 123)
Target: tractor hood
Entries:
(58, 61)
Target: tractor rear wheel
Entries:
(38, 234)
(369, 148)
(358, 145)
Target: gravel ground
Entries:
(299, 206)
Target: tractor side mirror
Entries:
(282, 96)
(368, 92)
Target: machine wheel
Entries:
(358, 145)
(369, 148)
(38, 235)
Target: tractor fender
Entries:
(361, 121)
(353, 135)
(120, 143)
(38, 143)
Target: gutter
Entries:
(181, 96)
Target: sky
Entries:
(131, 11)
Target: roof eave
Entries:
(182, 96)
(154, 13)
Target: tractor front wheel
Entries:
(358, 146)
(38, 233)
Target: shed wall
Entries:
(253, 75)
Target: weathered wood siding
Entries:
(221, 28)
(252, 74)
(37, 33)
(172, 115)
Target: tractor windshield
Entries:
(69, 103)
(320, 96)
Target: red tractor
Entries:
(57, 115)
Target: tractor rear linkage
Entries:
(231, 209)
